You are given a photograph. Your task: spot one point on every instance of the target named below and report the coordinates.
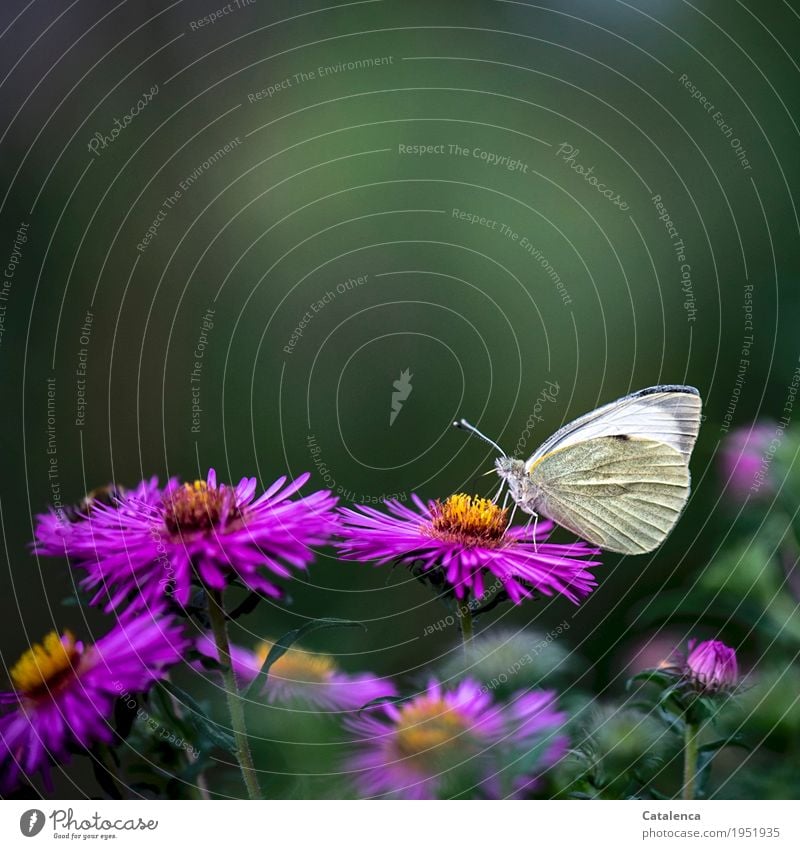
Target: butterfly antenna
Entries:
(463, 424)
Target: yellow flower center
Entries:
(299, 667)
(469, 520)
(46, 665)
(426, 729)
(198, 507)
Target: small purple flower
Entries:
(711, 666)
(304, 679)
(466, 543)
(64, 692)
(204, 533)
(743, 460)
(456, 740)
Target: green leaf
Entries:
(673, 721)
(703, 772)
(212, 664)
(651, 676)
(124, 717)
(725, 741)
(198, 719)
(246, 606)
(386, 700)
(705, 755)
(281, 646)
(102, 773)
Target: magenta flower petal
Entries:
(143, 547)
(455, 739)
(304, 679)
(712, 666)
(65, 691)
(745, 460)
(467, 542)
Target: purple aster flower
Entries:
(465, 543)
(200, 533)
(64, 692)
(743, 460)
(302, 678)
(54, 528)
(711, 666)
(456, 740)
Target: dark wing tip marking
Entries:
(666, 387)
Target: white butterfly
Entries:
(618, 476)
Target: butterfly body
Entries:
(520, 484)
(618, 476)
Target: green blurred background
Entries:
(317, 187)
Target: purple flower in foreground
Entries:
(64, 692)
(711, 666)
(54, 528)
(465, 542)
(204, 533)
(304, 679)
(456, 740)
(743, 460)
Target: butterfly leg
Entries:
(511, 517)
(534, 517)
(497, 494)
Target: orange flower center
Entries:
(46, 665)
(198, 507)
(299, 667)
(468, 520)
(427, 727)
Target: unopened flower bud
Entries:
(712, 666)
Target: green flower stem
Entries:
(244, 757)
(107, 762)
(690, 751)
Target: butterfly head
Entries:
(512, 471)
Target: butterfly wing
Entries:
(668, 414)
(621, 493)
